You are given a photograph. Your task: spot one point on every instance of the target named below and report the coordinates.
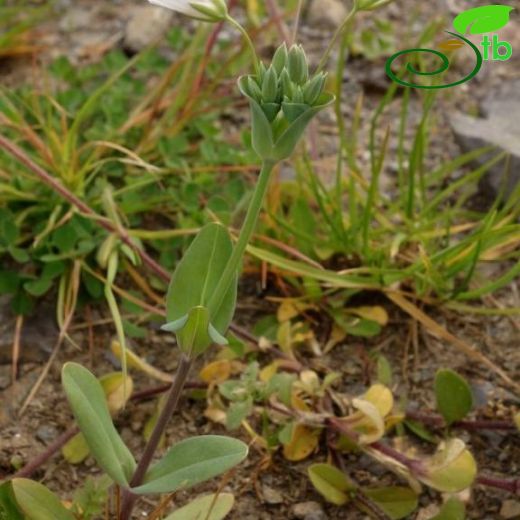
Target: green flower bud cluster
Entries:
(285, 85)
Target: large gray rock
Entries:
(500, 127)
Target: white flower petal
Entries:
(181, 6)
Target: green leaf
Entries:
(8, 508)
(38, 287)
(451, 469)
(90, 499)
(9, 282)
(207, 507)
(384, 370)
(261, 132)
(192, 461)
(88, 402)
(396, 502)
(453, 509)
(418, 429)
(331, 483)
(237, 412)
(37, 502)
(453, 395)
(76, 450)
(286, 143)
(197, 275)
(479, 20)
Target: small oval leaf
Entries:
(452, 468)
(479, 20)
(76, 449)
(304, 441)
(396, 502)
(208, 507)
(453, 509)
(453, 395)
(37, 502)
(331, 483)
(192, 461)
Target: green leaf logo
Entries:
(481, 20)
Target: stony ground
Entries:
(84, 30)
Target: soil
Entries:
(276, 489)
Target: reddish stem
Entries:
(510, 485)
(437, 421)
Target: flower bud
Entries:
(254, 89)
(297, 65)
(270, 86)
(287, 86)
(313, 89)
(280, 58)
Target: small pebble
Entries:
(46, 433)
(510, 509)
(308, 511)
(271, 496)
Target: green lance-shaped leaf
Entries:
(9, 509)
(479, 20)
(207, 507)
(194, 282)
(191, 462)
(331, 483)
(396, 502)
(453, 395)
(88, 402)
(37, 502)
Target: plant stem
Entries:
(510, 485)
(334, 40)
(170, 406)
(245, 235)
(249, 42)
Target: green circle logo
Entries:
(445, 63)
